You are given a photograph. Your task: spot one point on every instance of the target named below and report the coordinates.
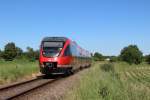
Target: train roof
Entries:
(55, 39)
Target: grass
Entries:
(125, 82)
(11, 71)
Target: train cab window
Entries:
(67, 51)
(52, 49)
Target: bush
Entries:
(10, 52)
(107, 67)
(0, 54)
(148, 59)
(37, 54)
(19, 52)
(98, 57)
(31, 54)
(131, 54)
(103, 92)
(113, 59)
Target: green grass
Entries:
(11, 71)
(126, 82)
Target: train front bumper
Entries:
(54, 68)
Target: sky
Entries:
(104, 26)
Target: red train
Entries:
(61, 55)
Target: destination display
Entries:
(53, 44)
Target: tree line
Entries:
(130, 54)
(11, 52)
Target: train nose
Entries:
(50, 64)
(53, 59)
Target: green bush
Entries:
(107, 67)
(31, 56)
(19, 52)
(0, 54)
(98, 57)
(10, 52)
(103, 92)
(148, 59)
(113, 59)
(131, 54)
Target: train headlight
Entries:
(44, 53)
(55, 59)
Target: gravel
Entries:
(55, 90)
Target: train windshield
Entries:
(52, 49)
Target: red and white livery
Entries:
(61, 55)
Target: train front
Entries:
(52, 59)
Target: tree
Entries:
(30, 54)
(19, 52)
(131, 54)
(37, 53)
(98, 57)
(148, 59)
(10, 52)
(0, 54)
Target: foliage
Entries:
(147, 59)
(131, 54)
(16, 69)
(114, 59)
(96, 84)
(31, 54)
(103, 91)
(19, 52)
(107, 67)
(98, 57)
(37, 53)
(10, 52)
(0, 54)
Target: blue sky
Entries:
(105, 26)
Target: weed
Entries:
(107, 67)
(103, 92)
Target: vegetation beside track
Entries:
(13, 70)
(119, 81)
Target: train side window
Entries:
(67, 51)
(74, 50)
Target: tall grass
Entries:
(13, 70)
(101, 84)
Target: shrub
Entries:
(98, 57)
(131, 54)
(107, 67)
(148, 59)
(0, 54)
(10, 52)
(113, 59)
(37, 54)
(103, 92)
(31, 54)
(19, 52)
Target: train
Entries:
(61, 55)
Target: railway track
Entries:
(18, 89)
